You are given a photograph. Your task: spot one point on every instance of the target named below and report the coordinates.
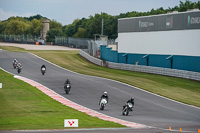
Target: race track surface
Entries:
(150, 109)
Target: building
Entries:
(168, 40)
(45, 29)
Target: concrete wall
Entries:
(91, 58)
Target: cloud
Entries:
(4, 15)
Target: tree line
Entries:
(81, 28)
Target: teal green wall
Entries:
(189, 63)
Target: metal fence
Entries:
(146, 69)
(94, 46)
(18, 38)
(80, 43)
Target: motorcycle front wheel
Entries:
(125, 112)
(67, 90)
(102, 107)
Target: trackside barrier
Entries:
(91, 58)
(156, 70)
(146, 69)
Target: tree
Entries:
(17, 27)
(81, 33)
(3, 26)
(71, 29)
(38, 17)
(52, 33)
(36, 27)
(55, 25)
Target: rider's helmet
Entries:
(67, 81)
(105, 93)
(132, 99)
(15, 60)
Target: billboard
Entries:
(165, 22)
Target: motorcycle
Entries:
(103, 103)
(67, 88)
(128, 107)
(43, 70)
(14, 64)
(19, 69)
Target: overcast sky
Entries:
(65, 11)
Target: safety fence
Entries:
(80, 43)
(18, 38)
(91, 58)
(146, 69)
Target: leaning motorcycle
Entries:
(14, 64)
(103, 103)
(128, 107)
(67, 88)
(43, 70)
(19, 69)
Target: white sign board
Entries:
(71, 123)
(0, 85)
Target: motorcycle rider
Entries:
(19, 66)
(15, 60)
(43, 66)
(129, 101)
(67, 86)
(15, 63)
(104, 96)
(67, 82)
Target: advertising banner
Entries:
(164, 22)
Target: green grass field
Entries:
(183, 90)
(25, 107)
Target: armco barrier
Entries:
(146, 69)
(156, 70)
(91, 58)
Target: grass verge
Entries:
(24, 107)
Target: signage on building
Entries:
(145, 24)
(193, 20)
(169, 22)
(163, 22)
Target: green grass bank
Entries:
(24, 107)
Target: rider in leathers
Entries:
(129, 101)
(104, 96)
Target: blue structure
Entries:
(189, 63)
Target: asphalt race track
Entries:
(150, 109)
